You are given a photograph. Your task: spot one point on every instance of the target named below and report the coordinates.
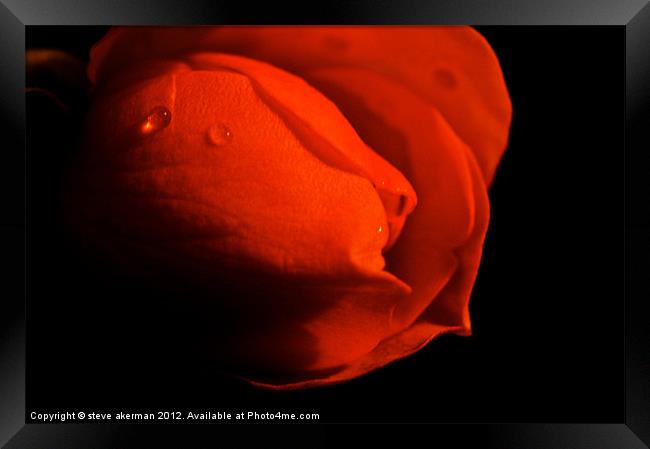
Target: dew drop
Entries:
(380, 229)
(219, 135)
(158, 119)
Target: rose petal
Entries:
(259, 203)
(452, 303)
(312, 118)
(452, 67)
(451, 307)
(435, 162)
(317, 122)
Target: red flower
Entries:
(281, 165)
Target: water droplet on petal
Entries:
(219, 135)
(156, 120)
(380, 229)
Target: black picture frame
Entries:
(634, 16)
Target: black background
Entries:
(547, 308)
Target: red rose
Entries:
(328, 184)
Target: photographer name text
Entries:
(190, 416)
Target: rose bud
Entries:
(277, 169)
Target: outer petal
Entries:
(453, 68)
(436, 164)
(448, 313)
(439, 252)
